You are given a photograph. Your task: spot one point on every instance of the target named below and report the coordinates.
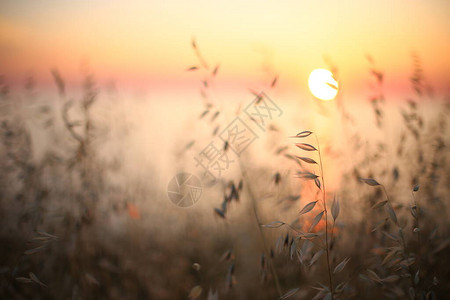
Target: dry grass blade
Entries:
(228, 255)
(216, 114)
(308, 207)
(316, 220)
(59, 81)
(389, 256)
(189, 145)
(335, 208)
(41, 239)
(379, 204)
(341, 286)
(316, 256)
(341, 265)
(36, 280)
(373, 276)
(281, 149)
(219, 212)
(274, 224)
(317, 182)
(68, 124)
(199, 54)
(391, 236)
(216, 69)
(309, 235)
(369, 181)
(293, 248)
(91, 279)
(230, 276)
(292, 197)
(204, 114)
(332, 85)
(289, 294)
(412, 293)
(306, 147)
(195, 292)
(306, 175)
(319, 295)
(391, 279)
(307, 160)
(379, 224)
(24, 280)
(274, 82)
(46, 234)
(303, 134)
(391, 214)
(212, 295)
(35, 250)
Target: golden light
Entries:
(322, 84)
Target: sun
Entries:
(322, 84)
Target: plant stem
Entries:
(417, 219)
(402, 240)
(330, 278)
(255, 212)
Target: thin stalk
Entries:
(419, 256)
(332, 227)
(258, 221)
(332, 230)
(330, 278)
(398, 225)
(402, 239)
(417, 218)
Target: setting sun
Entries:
(322, 84)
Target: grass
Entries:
(69, 231)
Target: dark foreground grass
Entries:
(383, 235)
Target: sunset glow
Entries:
(239, 149)
(142, 42)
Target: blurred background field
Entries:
(99, 112)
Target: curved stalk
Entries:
(330, 277)
(413, 284)
(255, 212)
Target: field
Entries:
(329, 201)
(231, 149)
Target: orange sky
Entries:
(149, 41)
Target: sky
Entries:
(138, 43)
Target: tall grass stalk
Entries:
(330, 277)
(258, 221)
